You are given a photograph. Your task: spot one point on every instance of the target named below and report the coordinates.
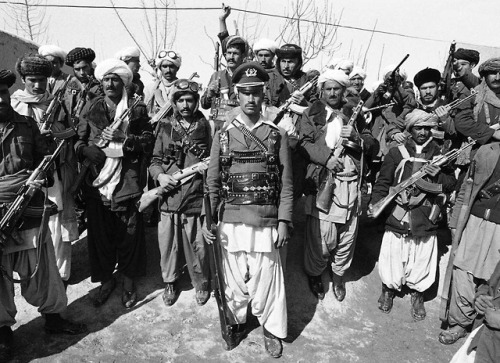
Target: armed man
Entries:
(250, 185)
(409, 254)
(357, 78)
(156, 94)
(331, 229)
(117, 138)
(57, 57)
(464, 61)
(183, 140)
(131, 56)
(33, 102)
(19, 251)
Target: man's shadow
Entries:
(32, 342)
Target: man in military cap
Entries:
(330, 229)
(131, 56)
(183, 139)
(56, 56)
(156, 93)
(19, 253)
(250, 180)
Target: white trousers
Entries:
(256, 278)
(410, 261)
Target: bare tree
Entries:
(27, 18)
(312, 26)
(159, 27)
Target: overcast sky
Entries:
(474, 22)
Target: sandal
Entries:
(104, 293)
(450, 337)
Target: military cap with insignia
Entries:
(250, 75)
(427, 75)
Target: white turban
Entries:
(333, 63)
(345, 64)
(177, 61)
(126, 54)
(357, 71)
(333, 75)
(114, 66)
(265, 44)
(420, 118)
(52, 50)
(387, 70)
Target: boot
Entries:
(338, 287)
(6, 341)
(169, 294)
(202, 294)
(273, 344)
(316, 286)
(386, 299)
(417, 306)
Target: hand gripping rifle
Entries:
(182, 176)
(390, 82)
(226, 325)
(11, 218)
(48, 116)
(446, 292)
(445, 83)
(286, 106)
(378, 207)
(325, 190)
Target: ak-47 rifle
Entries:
(390, 82)
(81, 100)
(10, 220)
(286, 106)
(182, 176)
(226, 323)
(378, 207)
(48, 115)
(216, 100)
(445, 294)
(445, 83)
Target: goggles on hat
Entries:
(187, 85)
(167, 54)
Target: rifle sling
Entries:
(247, 133)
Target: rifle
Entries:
(47, 117)
(390, 82)
(82, 99)
(216, 57)
(325, 190)
(286, 106)
(445, 83)
(445, 301)
(228, 334)
(378, 207)
(183, 176)
(10, 220)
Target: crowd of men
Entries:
(274, 134)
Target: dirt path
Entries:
(325, 331)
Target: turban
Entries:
(427, 75)
(469, 55)
(357, 71)
(128, 53)
(7, 77)
(491, 65)
(168, 55)
(79, 54)
(345, 65)
(387, 70)
(420, 118)
(52, 50)
(114, 66)
(265, 44)
(333, 75)
(235, 41)
(34, 66)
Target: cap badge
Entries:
(251, 72)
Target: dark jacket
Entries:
(188, 198)
(419, 224)
(226, 83)
(137, 146)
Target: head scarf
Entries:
(52, 50)
(7, 77)
(34, 66)
(114, 66)
(469, 55)
(175, 61)
(333, 75)
(79, 54)
(419, 117)
(265, 44)
(357, 71)
(490, 65)
(128, 53)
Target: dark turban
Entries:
(79, 54)
(492, 65)
(33, 66)
(7, 77)
(237, 42)
(427, 75)
(469, 55)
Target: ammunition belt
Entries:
(250, 188)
